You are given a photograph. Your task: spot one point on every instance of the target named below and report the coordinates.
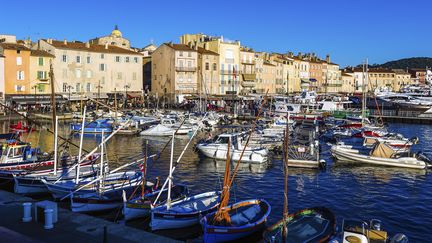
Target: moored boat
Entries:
(316, 224)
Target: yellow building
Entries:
(247, 70)
(348, 83)
(229, 59)
(208, 71)
(402, 78)
(39, 71)
(380, 78)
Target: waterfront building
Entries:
(229, 58)
(40, 61)
(147, 66)
(348, 83)
(316, 72)
(402, 78)
(331, 76)
(380, 78)
(418, 75)
(302, 67)
(174, 71)
(247, 70)
(269, 77)
(93, 69)
(288, 73)
(16, 67)
(208, 71)
(259, 69)
(114, 39)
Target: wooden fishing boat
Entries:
(31, 182)
(246, 217)
(184, 213)
(308, 225)
(139, 207)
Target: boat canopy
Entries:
(382, 150)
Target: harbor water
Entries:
(400, 198)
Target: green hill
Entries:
(414, 62)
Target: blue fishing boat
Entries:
(98, 126)
(246, 218)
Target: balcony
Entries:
(185, 69)
(244, 62)
(248, 84)
(249, 76)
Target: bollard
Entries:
(27, 212)
(48, 219)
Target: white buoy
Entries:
(48, 219)
(27, 212)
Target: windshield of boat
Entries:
(222, 140)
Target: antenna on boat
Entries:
(144, 170)
(285, 160)
(101, 170)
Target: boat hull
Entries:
(214, 233)
(350, 155)
(163, 218)
(250, 156)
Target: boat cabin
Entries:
(236, 139)
(15, 153)
(168, 121)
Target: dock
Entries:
(71, 227)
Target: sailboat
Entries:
(233, 222)
(140, 206)
(182, 213)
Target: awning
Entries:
(305, 80)
(29, 99)
(96, 95)
(134, 95)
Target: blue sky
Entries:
(349, 30)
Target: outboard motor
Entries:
(399, 238)
(424, 158)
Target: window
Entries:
(207, 66)
(64, 58)
(41, 88)
(117, 58)
(78, 87)
(126, 59)
(189, 77)
(180, 63)
(102, 56)
(134, 76)
(136, 59)
(40, 61)
(41, 75)
(20, 75)
(189, 54)
(214, 66)
(181, 78)
(78, 59)
(88, 59)
(89, 74)
(19, 61)
(181, 54)
(119, 75)
(102, 67)
(65, 87)
(78, 73)
(189, 64)
(88, 87)
(19, 88)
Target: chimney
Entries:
(328, 58)
(106, 45)
(299, 55)
(65, 41)
(87, 44)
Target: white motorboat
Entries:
(217, 149)
(158, 131)
(381, 154)
(184, 213)
(182, 129)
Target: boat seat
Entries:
(377, 236)
(245, 216)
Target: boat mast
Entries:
(144, 168)
(170, 173)
(55, 145)
(101, 161)
(53, 101)
(222, 216)
(285, 209)
(364, 92)
(81, 144)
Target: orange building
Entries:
(16, 68)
